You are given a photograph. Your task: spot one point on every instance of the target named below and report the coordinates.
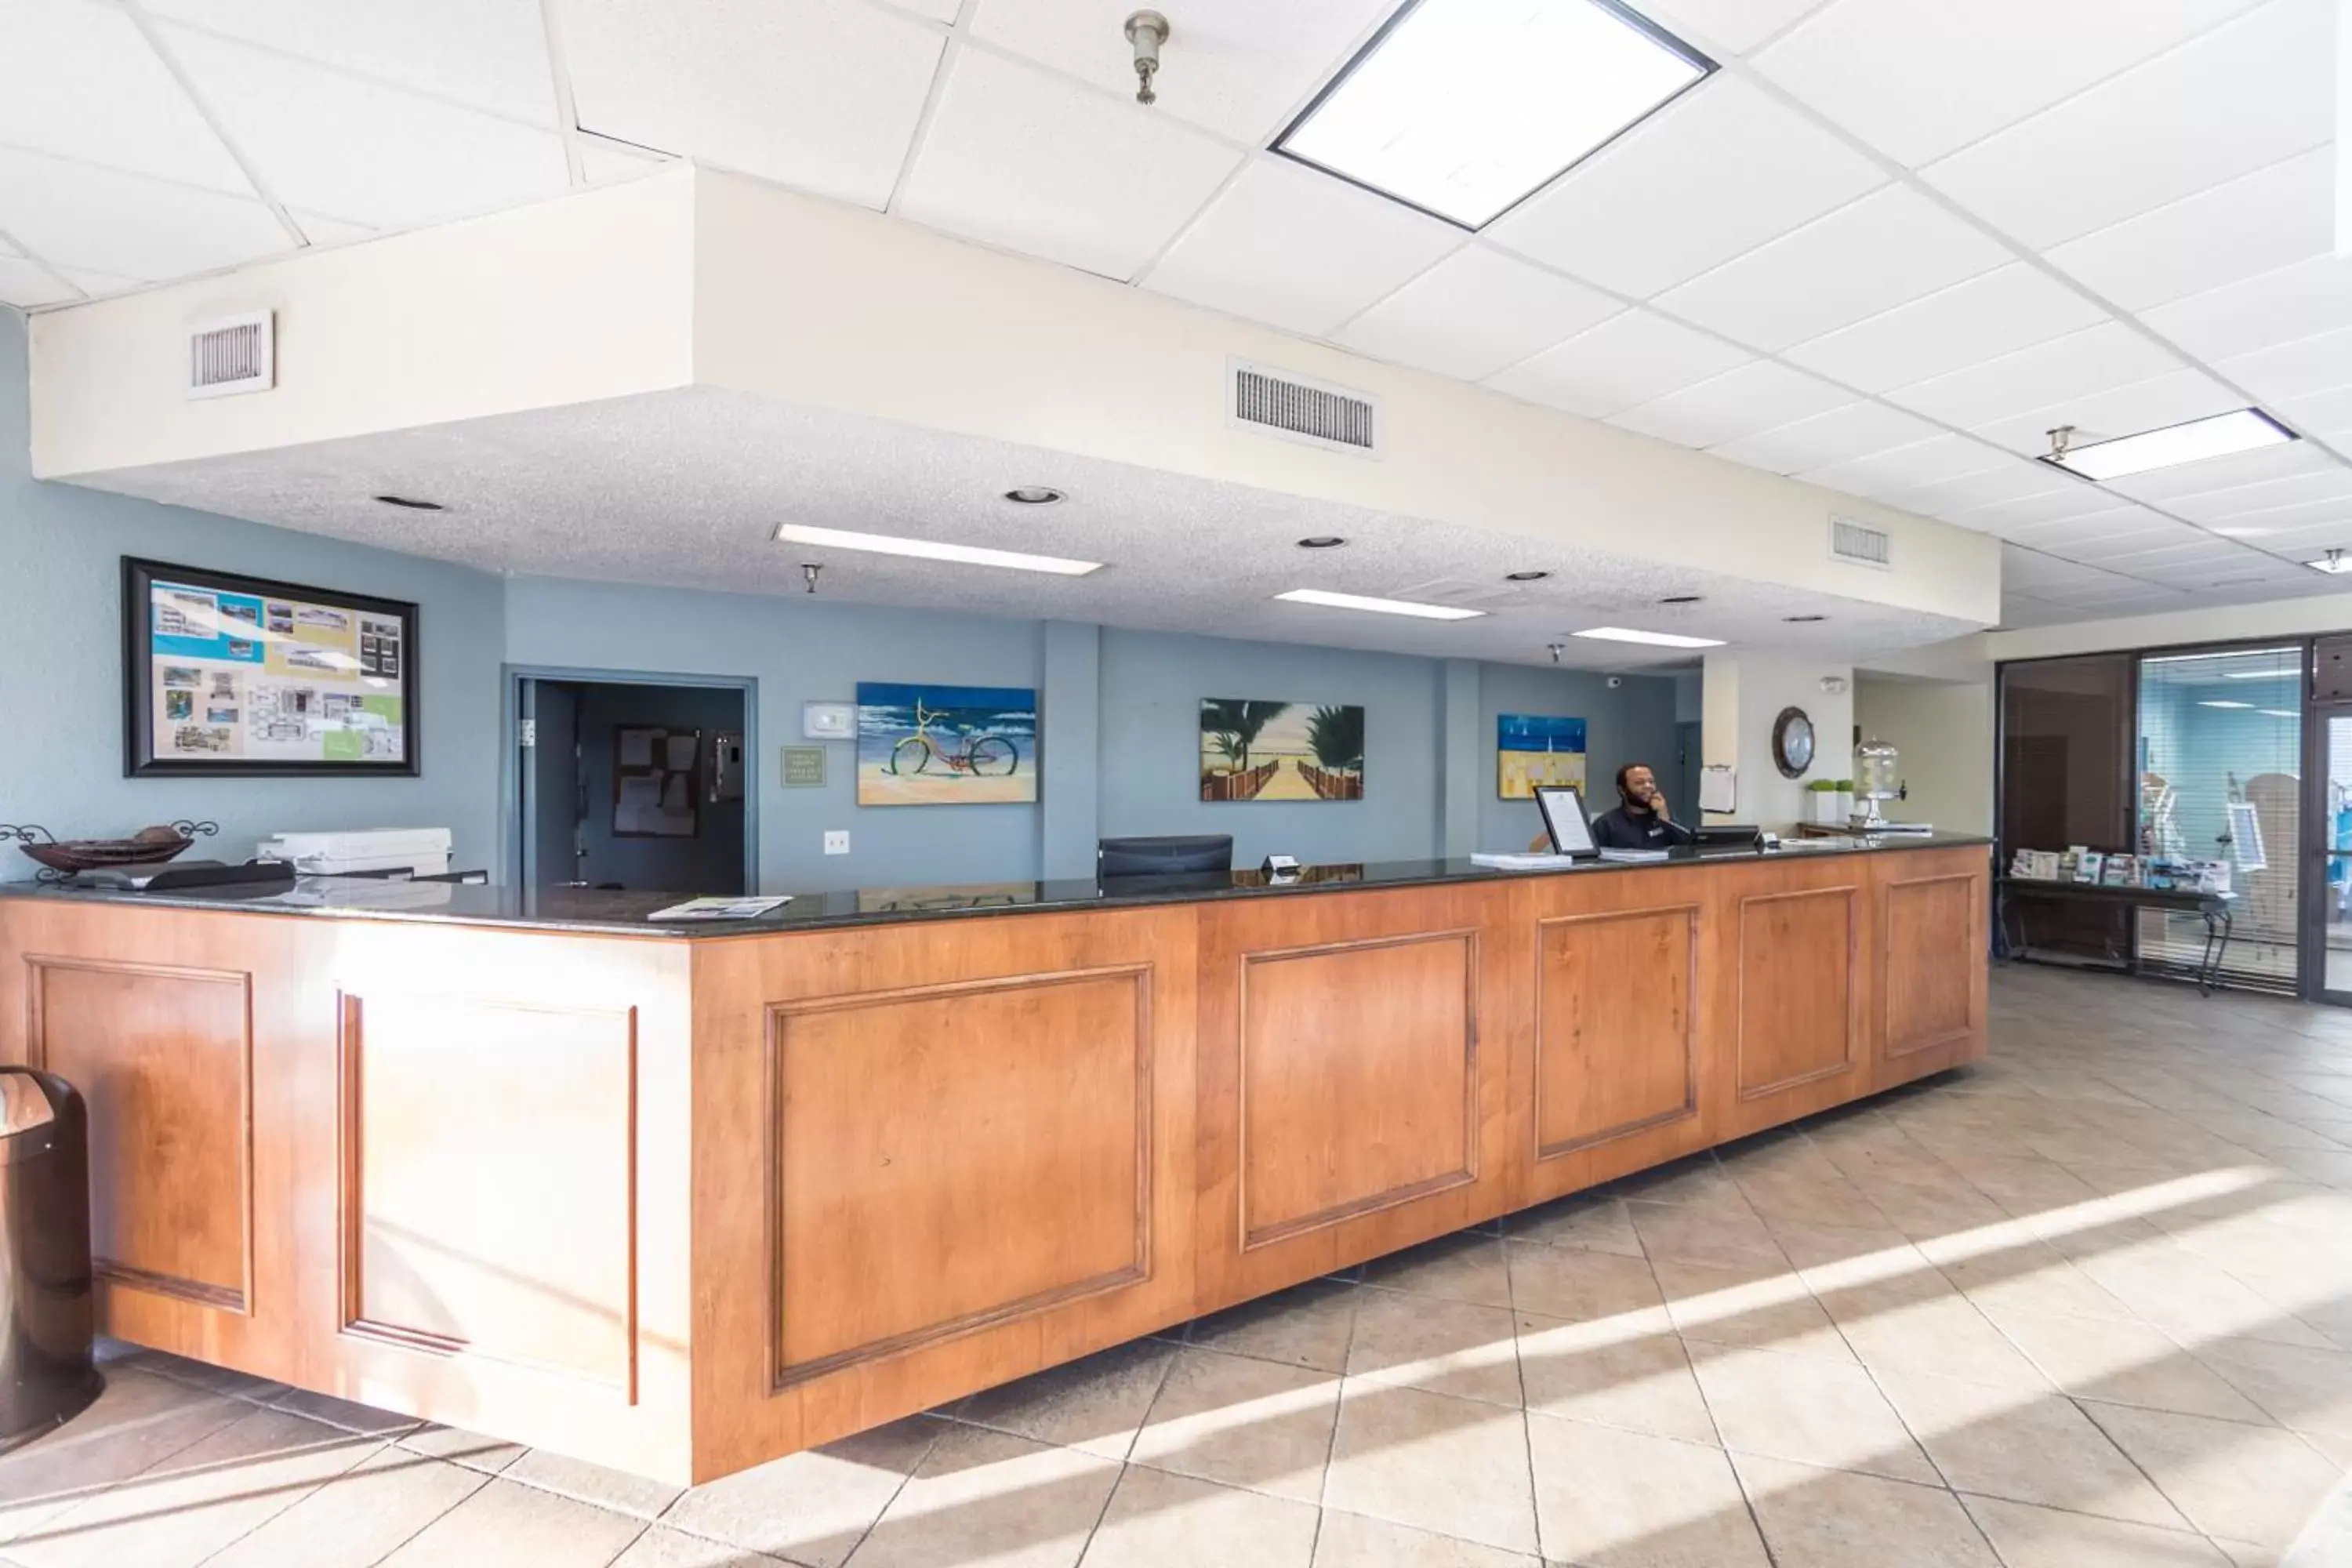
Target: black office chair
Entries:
(1179, 855)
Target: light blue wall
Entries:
(1632, 723)
(61, 666)
(1152, 684)
(803, 649)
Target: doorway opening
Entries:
(631, 781)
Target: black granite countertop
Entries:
(588, 910)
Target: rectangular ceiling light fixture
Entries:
(1378, 607)
(1654, 639)
(2217, 436)
(2335, 564)
(1462, 107)
(2222, 702)
(926, 550)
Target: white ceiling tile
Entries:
(1299, 249)
(2080, 503)
(2113, 411)
(73, 216)
(1035, 163)
(1627, 359)
(2295, 369)
(100, 285)
(2310, 538)
(1473, 314)
(25, 285)
(485, 54)
(821, 95)
(2241, 501)
(2093, 360)
(1920, 77)
(1908, 467)
(2247, 94)
(2008, 307)
(1755, 397)
(1842, 434)
(2324, 511)
(2125, 521)
(2317, 413)
(387, 158)
(1734, 27)
(2303, 301)
(603, 160)
(1892, 245)
(2013, 482)
(2248, 225)
(2160, 487)
(1236, 66)
(76, 80)
(2155, 545)
(1718, 171)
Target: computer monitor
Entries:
(1727, 835)
(1563, 816)
(1177, 855)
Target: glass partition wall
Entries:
(2191, 753)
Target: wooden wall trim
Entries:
(351, 1203)
(784, 1374)
(1850, 893)
(1373, 1203)
(1690, 912)
(1977, 917)
(240, 1299)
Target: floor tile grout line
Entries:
(1527, 1422)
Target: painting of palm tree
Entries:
(1256, 750)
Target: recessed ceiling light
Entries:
(2222, 702)
(1655, 639)
(1460, 107)
(1682, 599)
(410, 503)
(1033, 495)
(1378, 607)
(2217, 436)
(1321, 541)
(2334, 561)
(1803, 620)
(1527, 576)
(927, 549)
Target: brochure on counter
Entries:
(723, 909)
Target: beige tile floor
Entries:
(2088, 1306)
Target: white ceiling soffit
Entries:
(1887, 247)
(695, 505)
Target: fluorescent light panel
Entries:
(929, 550)
(1460, 107)
(2222, 702)
(2331, 564)
(1654, 639)
(2240, 430)
(1378, 607)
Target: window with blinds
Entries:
(2220, 778)
(2065, 779)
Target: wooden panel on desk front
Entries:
(1616, 1027)
(955, 1156)
(1932, 995)
(1360, 1078)
(489, 1182)
(164, 1058)
(1797, 1017)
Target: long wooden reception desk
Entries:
(681, 1203)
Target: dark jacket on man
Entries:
(1632, 827)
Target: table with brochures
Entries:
(2214, 907)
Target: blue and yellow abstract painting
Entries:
(946, 745)
(1533, 749)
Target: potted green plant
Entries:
(1826, 810)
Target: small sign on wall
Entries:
(803, 767)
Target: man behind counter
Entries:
(1641, 820)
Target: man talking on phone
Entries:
(1641, 820)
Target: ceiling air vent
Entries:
(1860, 545)
(231, 355)
(1297, 409)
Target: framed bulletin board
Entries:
(230, 676)
(656, 774)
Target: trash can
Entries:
(46, 1375)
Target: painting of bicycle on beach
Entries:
(946, 745)
(1280, 751)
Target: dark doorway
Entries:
(633, 785)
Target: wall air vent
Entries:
(1295, 409)
(237, 353)
(1859, 544)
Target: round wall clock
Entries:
(1792, 742)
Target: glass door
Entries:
(2329, 950)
